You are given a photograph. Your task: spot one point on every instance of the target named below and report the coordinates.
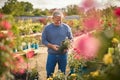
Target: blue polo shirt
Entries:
(55, 35)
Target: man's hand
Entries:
(54, 47)
(65, 50)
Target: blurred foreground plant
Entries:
(57, 76)
(6, 46)
(109, 69)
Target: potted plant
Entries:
(33, 74)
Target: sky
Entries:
(49, 4)
(52, 3)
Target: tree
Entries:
(45, 12)
(72, 10)
(37, 12)
(9, 6)
(0, 10)
(16, 8)
(27, 8)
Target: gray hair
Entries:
(57, 13)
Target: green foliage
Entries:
(64, 45)
(72, 10)
(58, 76)
(74, 76)
(33, 74)
(105, 43)
(37, 28)
(37, 12)
(16, 8)
(72, 62)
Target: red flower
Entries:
(117, 11)
(30, 54)
(77, 50)
(78, 57)
(6, 25)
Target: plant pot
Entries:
(71, 70)
(14, 50)
(36, 46)
(25, 47)
(32, 45)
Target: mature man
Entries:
(52, 37)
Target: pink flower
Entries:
(10, 34)
(117, 11)
(30, 54)
(19, 64)
(77, 50)
(91, 23)
(87, 45)
(88, 4)
(22, 71)
(19, 71)
(19, 59)
(6, 25)
(78, 57)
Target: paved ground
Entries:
(40, 59)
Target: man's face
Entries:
(57, 20)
